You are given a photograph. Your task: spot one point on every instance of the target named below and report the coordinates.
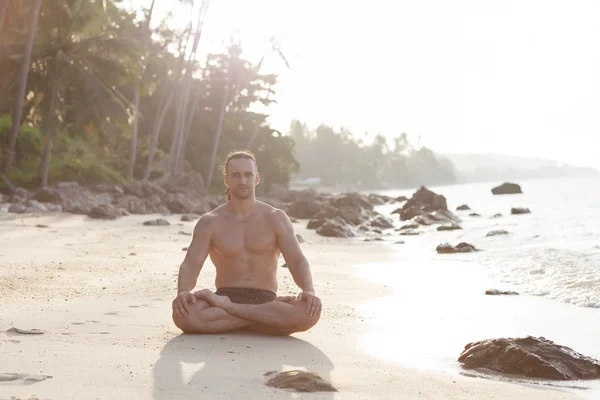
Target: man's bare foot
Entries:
(212, 298)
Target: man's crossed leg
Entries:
(210, 313)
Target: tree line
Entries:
(342, 160)
(94, 92)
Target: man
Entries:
(244, 238)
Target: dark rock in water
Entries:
(452, 227)
(507, 188)
(399, 199)
(104, 211)
(381, 222)
(496, 292)
(300, 238)
(399, 242)
(447, 248)
(519, 210)
(300, 381)
(335, 227)
(157, 222)
(184, 249)
(463, 207)
(374, 239)
(423, 201)
(497, 232)
(189, 217)
(474, 215)
(409, 232)
(284, 266)
(497, 215)
(531, 357)
(377, 199)
(436, 217)
(409, 225)
(293, 220)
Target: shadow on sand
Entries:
(233, 365)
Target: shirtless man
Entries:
(244, 238)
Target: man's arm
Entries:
(195, 256)
(292, 253)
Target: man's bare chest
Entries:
(234, 238)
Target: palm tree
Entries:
(18, 106)
(78, 63)
(136, 97)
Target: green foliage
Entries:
(72, 161)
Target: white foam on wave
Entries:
(558, 274)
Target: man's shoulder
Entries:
(208, 219)
(271, 211)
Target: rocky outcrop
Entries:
(530, 357)
(507, 188)
(519, 210)
(463, 207)
(180, 194)
(336, 227)
(447, 248)
(422, 202)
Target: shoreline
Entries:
(102, 290)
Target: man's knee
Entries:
(304, 321)
(190, 322)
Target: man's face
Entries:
(241, 177)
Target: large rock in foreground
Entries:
(530, 357)
(507, 188)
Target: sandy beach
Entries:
(101, 291)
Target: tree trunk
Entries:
(160, 117)
(213, 156)
(156, 132)
(18, 107)
(186, 132)
(136, 101)
(45, 166)
(134, 134)
(182, 109)
(3, 9)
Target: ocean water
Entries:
(554, 252)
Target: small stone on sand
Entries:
(25, 331)
(300, 381)
(157, 222)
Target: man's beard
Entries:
(241, 194)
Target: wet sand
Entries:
(101, 291)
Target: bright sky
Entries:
(517, 77)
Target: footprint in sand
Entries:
(26, 378)
(138, 305)
(112, 313)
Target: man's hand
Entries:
(313, 303)
(180, 304)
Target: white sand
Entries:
(108, 333)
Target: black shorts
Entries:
(247, 295)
